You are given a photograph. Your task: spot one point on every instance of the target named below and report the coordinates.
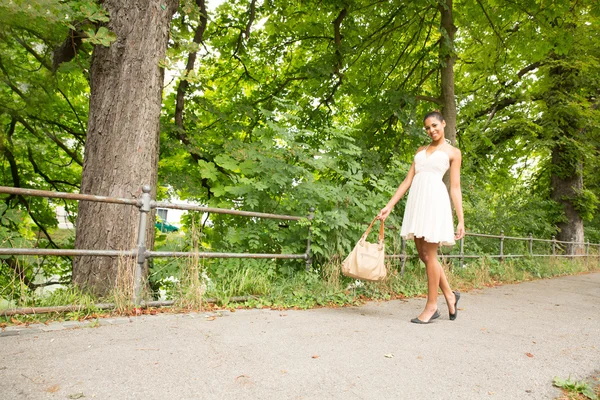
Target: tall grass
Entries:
(122, 293)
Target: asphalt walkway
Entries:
(508, 342)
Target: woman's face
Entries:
(434, 128)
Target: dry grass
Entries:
(191, 285)
(192, 277)
(332, 272)
(122, 293)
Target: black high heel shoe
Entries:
(457, 297)
(435, 315)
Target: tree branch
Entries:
(68, 49)
(14, 169)
(52, 137)
(9, 82)
(502, 104)
(30, 50)
(246, 31)
(490, 21)
(250, 19)
(435, 100)
(72, 109)
(183, 83)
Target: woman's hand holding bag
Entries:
(367, 260)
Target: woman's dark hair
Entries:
(438, 115)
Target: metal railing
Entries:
(145, 205)
(461, 256)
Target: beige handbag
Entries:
(367, 260)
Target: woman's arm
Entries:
(385, 211)
(456, 193)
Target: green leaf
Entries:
(102, 37)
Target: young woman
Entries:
(428, 215)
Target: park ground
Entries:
(508, 342)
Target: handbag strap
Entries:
(381, 228)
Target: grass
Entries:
(264, 284)
(122, 292)
(578, 390)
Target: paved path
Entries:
(507, 343)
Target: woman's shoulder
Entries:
(453, 152)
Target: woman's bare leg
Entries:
(436, 277)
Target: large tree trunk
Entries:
(121, 152)
(448, 57)
(567, 169)
(564, 188)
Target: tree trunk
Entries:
(567, 169)
(565, 188)
(121, 152)
(448, 57)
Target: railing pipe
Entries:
(403, 255)
(191, 207)
(69, 196)
(530, 243)
(462, 252)
(141, 243)
(311, 216)
(587, 248)
(501, 245)
(66, 252)
(162, 254)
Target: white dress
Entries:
(428, 213)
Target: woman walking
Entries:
(428, 214)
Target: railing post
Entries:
(462, 252)
(587, 249)
(501, 246)
(553, 245)
(141, 243)
(403, 255)
(311, 216)
(531, 243)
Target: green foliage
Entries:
(577, 387)
(586, 204)
(289, 110)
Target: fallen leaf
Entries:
(244, 380)
(529, 355)
(76, 396)
(283, 315)
(53, 389)
(315, 356)
(390, 355)
(212, 318)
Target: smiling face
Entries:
(434, 128)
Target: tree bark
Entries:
(448, 57)
(565, 188)
(121, 152)
(567, 165)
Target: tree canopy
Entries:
(279, 106)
